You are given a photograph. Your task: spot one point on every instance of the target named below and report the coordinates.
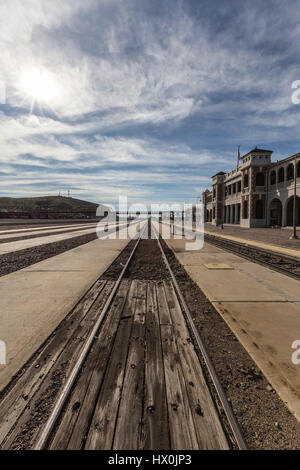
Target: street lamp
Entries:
(295, 236)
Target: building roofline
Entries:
(271, 165)
(219, 174)
(279, 162)
(257, 151)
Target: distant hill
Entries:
(47, 204)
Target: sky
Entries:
(142, 98)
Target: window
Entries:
(260, 179)
(298, 169)
(281, 175)
(245, 210)
(259, 209)
(246, 181)
(290, 172)
(273, 177)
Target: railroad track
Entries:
(126, 377)
(282, 263)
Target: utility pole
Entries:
(295, 236)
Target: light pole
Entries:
(295, 236)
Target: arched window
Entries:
(290, 172)
(245, 210)
(273, 177)
(246, 181)
(298, 169)
(260, 179)
(259, 209)
(281, 175)
(214, 212)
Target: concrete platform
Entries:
(10, 247)
(18, 221)
(34, 300)
(18, 245)
(261, 306)
(52, 230)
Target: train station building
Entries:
(258, 193)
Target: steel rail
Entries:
(212, 372)
(47, 430)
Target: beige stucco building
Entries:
(258, 193)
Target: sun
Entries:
(40, 85)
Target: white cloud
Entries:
(119, 69)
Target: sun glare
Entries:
(40, 85)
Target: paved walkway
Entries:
(262, 307)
